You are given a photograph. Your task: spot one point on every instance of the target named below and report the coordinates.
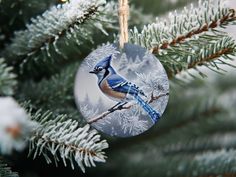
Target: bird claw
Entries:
(111, 110)
(120, 107)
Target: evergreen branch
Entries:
(14, 14)
(137, 18)
(211, 57)
(179, 27)
(222, 48)
(204, 164)
(7, 79)
(158, 7)
(205, 143)
(222, 175)
(64, 22)
(124, 107)
(5, 171)
(57, 137)
(178, 40)
(212, 163)
(230, 16)
(55, 93)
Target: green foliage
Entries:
(192, 139)
(60, 138)
(7, 79)
(55, 93)
(41, 42)
(5, 171)
(159, 7)
(138, 18)
(38, 50)
(197, 130)
(14, 15)
(214, 164)
(178, 42)
(204, 143)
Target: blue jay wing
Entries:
(116, 81)
(119, 84)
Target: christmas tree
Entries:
(42, 133)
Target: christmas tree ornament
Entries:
(122, 89)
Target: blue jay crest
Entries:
(106, 61)
(121, 93)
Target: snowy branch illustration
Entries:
(127, 106)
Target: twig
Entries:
(206, 27)
(65, 145)
(104, 114)
(209, 58)
(200, 62)
(91, 11)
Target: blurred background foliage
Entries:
(158, 7)
(195, 137)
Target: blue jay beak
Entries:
(92, 72)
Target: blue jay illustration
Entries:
(119, 89)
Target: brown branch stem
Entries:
(91, 11)
(104, 114)
(71, 146)
(200, 62)
(209, 58)
(206, 27)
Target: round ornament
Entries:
(121, 92)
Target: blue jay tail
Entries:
(151, 112)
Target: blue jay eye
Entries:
(100, 69)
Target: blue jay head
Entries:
(102, 66)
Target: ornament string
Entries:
(123, 20)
